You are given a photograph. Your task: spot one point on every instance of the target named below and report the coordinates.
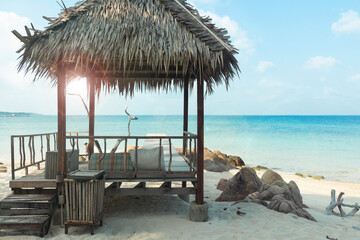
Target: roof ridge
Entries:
(225, 45)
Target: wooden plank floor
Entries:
(34, 180)
(37, 179)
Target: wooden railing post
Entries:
(136, 155)
(126, 158)
(170, 155)
(12, 159)
(160, 156)
(186, 112)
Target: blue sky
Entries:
(296, 57)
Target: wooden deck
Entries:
(33, 180)
(180, 171)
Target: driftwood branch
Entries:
(113, 150)
(129, 121)
(97, 145)
(86, 108)
(130, 118)
(339, 203)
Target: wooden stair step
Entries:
(30, 197)
(32, 225)
(24, 211)
(41, 201)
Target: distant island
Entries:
(17, 114)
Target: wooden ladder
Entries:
(27, 214)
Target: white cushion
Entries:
(148, 159)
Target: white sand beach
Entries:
(167, 217)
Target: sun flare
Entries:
(77, 87)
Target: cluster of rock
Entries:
(218, 162)
(271, 191)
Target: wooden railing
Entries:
(76, 140)
(30, 150)
(102, 143)
(188, 151)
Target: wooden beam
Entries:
(91, 84)
(148, 191)
(61, 142)
(186, 111)
(141, 75)
(127, 179)
(200, 133)
(33, 184)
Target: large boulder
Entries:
(216, 161)
(223, 184)
(270, 176)
(235, 161)
(281, 184)
(212, 162)
(272, 191)
(221, 155)
(280, 204)
(212, 166)
(240, 185)
(229, 161)
(222, 160)
(295, 193)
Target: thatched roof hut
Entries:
(131, 44)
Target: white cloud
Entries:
(8, 22)
(9, 44)
(239, 37)
(349, 22)
(264, 65)
(320, 62)
(355, 78)
(271, 83)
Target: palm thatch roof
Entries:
(130, 45)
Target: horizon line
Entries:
(84, 115)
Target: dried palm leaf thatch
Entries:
(130, 45)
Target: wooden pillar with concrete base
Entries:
(200, 134)
(91, 84)
(199, 208)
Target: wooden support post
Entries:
(91, 84)
(61, 143)
(186, 111)
(200, 133)
(13, 158)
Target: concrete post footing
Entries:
(198, 213)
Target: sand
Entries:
(167, 217)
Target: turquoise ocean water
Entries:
(318, 145)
